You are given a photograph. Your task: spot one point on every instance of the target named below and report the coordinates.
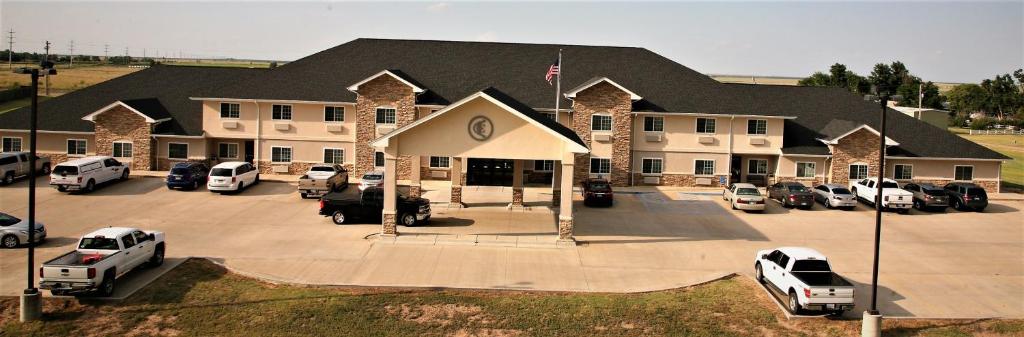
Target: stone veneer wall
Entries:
(266, 167)
(425, 173)
(164, 164)
(381, 91)
(678, 180)
(118, 124)
(605, 98)
(861, 146)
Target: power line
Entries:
(10, 49)
(47, 59)
(106, 49)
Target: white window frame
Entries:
(867, 170)
(654, 118)
(394, 117)
(84, 153)
(236, 150)
(643, 166)
(611, 124)
(591, 163)
(549, 115)
(757, 134)
(714, 126)
(220, 111)
(751, 166)
(383, 159)
(713, 164)
(291, 111)
(959, 166)
(543, 166)
(911, 166)
(169, 150)
(335, 107)
(334, 149)
(113, 152)
(21, 144)
(291, 155)
(430, 162)
(814, 169)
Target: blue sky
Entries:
(939, 41)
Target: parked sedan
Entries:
(791, 194)
(744, 196)
(597, 191)
(14, 231)
(371, 179)
(928, 196)
(834, 195)
(188, 175)
(966, 196)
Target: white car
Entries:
(232, 176)
(805, 277)
(85, 173)
(834, 195)
(371, 179)
(14, 231)
(744, 196)
(101, 257)
(893, 197)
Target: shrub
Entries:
(982, 123)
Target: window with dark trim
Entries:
(601, 123)
(440, 162)
(902, 172)
(177, 150)
(703, 167)
(230, 110)
(378, 159)
(757, 127)
(963, 173)
(705, 125)
(600, 165)
(281, 112)
(334, 114)
(654, 123)
(385, 116)
(652, 165)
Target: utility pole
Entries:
(920, 96)
(46, 58)
(71, 54)
(10, 49)
(106, 50)
(127, 61)
(143, 52)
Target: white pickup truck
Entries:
(893, 197)
(322, 179)
(101, 257)
(805, 277)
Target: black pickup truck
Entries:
(343, 207)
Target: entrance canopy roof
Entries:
(487, 124)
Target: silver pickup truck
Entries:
(15, 164)
(101, 257)
(322, 179)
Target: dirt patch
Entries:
(441, 314)
(154, 325)
(487, 333)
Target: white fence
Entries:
(997, 132)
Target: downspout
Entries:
(259, 132)
(732, 120)
(632, 141)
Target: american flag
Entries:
(552, 71)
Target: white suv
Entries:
(85, 173)
(232, 176)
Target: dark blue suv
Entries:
(189, 175)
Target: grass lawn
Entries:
(69, 79)
(200, 298)
(1010, 145)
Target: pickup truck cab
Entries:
(322, 179)
(805, 277)
(15, 165)
(345, 207)
(893, 197)
(101, 257)
(83, 174)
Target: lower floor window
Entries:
(11, 144)
(600, 165)
(334, 156)
(703, 167)
(177, 151)
(757, 166)
(963, 173)
(858, 171)
(544, 165)
(903, 172)
(378, 159)
(279, 154)
(227, 150)
(122, 149)
(805, 170)
(652, 165)
(76, 147)
(440, 162)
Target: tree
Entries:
(965, 99)
(837, 76)
(818, 79)
(883, 79)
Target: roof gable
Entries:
(401, 77)
(154, 112)
(865, 127)
(594, 81)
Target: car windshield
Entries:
(7, 220)
(373, 177)
(98, 243)
(221, 172)
(934, 191)
(796, 188)
(840, 190)
(322, 169)
(889, 184)
(180, 170)
(65, 170)
(810, 265)
(747, 191)
(599, 186)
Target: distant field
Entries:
(781, 80)
(1010, 145)
(220, 63)
(68, 79)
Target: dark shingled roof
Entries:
(159, 92)
(534, 115)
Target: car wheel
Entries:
(90, 186)
(257, 180)
(45, 170)
(241, 185)
(9, 241)
(8, 178)
(903, 211)
(409, 220)
(828, 203)
(124, 175)
(338, 217)
(794, 304)
(62, 189)
(732, 204)
(303, 195)
(917, 204)
(758, 274)
(170, 187)
(107, 287)
(158, 257)
(195, 185)
(957, 205)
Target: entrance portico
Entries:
(487, 124)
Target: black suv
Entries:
(928, 196)
(188, 175)
(966, 196)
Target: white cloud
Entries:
(488, 36)
(438, 7)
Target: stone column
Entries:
(456, 198)
(517, 184)
(565, 219)
(389, 214)
(556, 184)
(415, 188)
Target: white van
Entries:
(85, 173)
(232, 176)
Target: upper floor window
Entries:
(652, 165)
(654, 123)
(705, 125)
(385, 116)
(600, 123)
(11, 144)
(177, 150)
(757, 127)
(76, 147)
(122, 149)
(440, 162)
(543, 165)
(334, 114)
(281, 112)
(963, 173)
(230, 110)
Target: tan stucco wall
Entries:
(196, 147)
(773, 140)
(681, 162)
(787, 167)
(943, 169)
(52, 142)
(681, 135)
(307, 121)
(305, 151)
(213, 126)
(745, 165)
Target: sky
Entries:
(938, 41)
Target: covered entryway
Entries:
(489, 172)
(487, 124)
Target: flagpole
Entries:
(558, 84)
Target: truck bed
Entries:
(77, 259)
(346, 196)
(821, 279)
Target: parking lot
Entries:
(946, 265)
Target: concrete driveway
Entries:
(933, 265)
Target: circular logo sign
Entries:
(480, 128)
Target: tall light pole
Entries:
(31, 299)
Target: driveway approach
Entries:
(933, 265)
